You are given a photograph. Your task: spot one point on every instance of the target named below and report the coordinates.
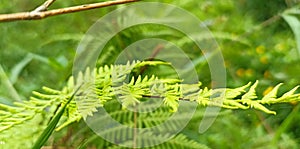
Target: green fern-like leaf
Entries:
(103, 84)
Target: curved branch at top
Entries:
(40, 14)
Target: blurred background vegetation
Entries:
(258, 39)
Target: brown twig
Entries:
(41, 14)
(44, 6)
(262, 25)
(48, 3)
(156, 50)
(264, 123)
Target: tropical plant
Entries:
(98, 87)
(55, 115)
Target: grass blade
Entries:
(51, 126)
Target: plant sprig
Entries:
(105, 83)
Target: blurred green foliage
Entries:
(255, 47)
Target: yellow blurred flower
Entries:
(264, 60)
(267, 74)
(249, 72)
(260, 49)
(240, 72)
